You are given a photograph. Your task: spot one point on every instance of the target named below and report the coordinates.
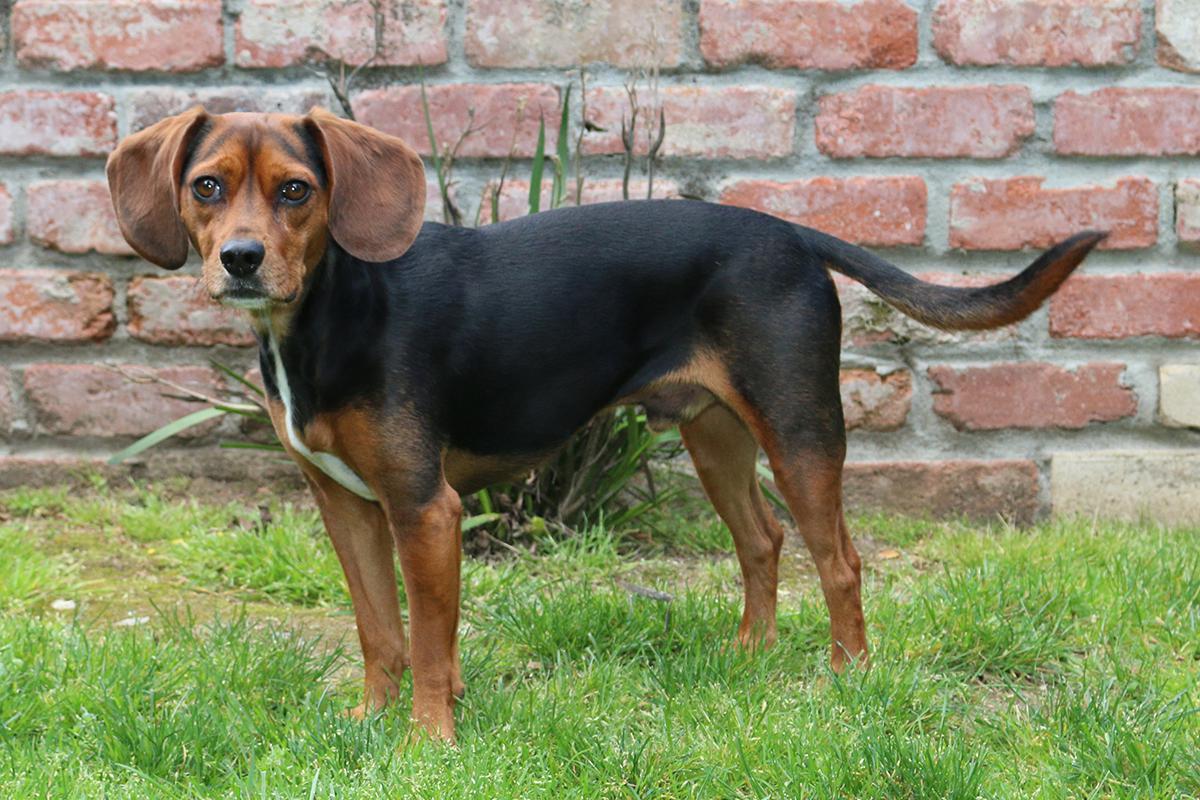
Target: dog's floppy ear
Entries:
(376, 187)
(143, 177)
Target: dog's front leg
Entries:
(359, 531)
(429, 538)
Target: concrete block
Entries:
(1162, 485)
(1179, 395)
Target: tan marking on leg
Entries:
(725, 453)
(812, 486)
(363, 543)
(429, 541)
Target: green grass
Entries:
(1057, 662)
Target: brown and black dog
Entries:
(407, 364)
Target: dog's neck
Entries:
(272, 327)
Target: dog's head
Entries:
(259, 195)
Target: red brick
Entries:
(74, 216)
(1177, 25)
(1009, 214)
(178, 311)
(1128, 122)
(398, 111)
(94, 400)
(1031, 395)
(7, 228)
(1037, 33)
(514, 197)
(160, 35)
(702, 122)
(35, 122)
(1118, 306)
(977, 489)
(873, 211)
(1187, 210)
(869, 323)
(280, 33)
(55, 305)
(810, 34)
(8, 408)
(150, 105)
(936, 122)
(875, 402)
(534, 33)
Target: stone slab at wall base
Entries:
(226, 468)
(1162, 485)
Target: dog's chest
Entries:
(326, 462)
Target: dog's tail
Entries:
(954, 308)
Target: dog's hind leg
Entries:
(724, 452)
(812, 486)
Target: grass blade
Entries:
(232, 373)
(166, 432)
(563, 152)
(539, 163)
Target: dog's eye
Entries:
(294, 191)
(206, 188)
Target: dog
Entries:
(409, 363)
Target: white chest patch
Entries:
(328, 463)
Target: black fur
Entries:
(506, 339)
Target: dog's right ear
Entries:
(144, 173)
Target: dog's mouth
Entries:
(251, 298)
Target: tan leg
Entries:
(812, 486)
(363, 543)
(724, 453)
(429, 541)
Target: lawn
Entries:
(210, 652)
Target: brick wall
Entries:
(956, 136)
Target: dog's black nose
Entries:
(242, 257)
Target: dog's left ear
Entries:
(376, 187)
(143, 178)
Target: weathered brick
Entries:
(161, 35)
(1128, 122)
(1163, 485)
(74, 216)
(875, 402)
(1031, 395)
(95, 400)
(7, 227)
(1118, 306)
(1179, 395)
(868, 322)
(150, 105)
(54, 305)
(936, 122)
(1177, 25)
(1008, 214)
(497, 108)
(535, 33)
(1187, 210)
(8, 408)
(1037, 33)
(872, 211)
(36, 122)
(702, 122)
(178, 311)
(280, 33)
(976, 489)
(810, 34)
(514, 195)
